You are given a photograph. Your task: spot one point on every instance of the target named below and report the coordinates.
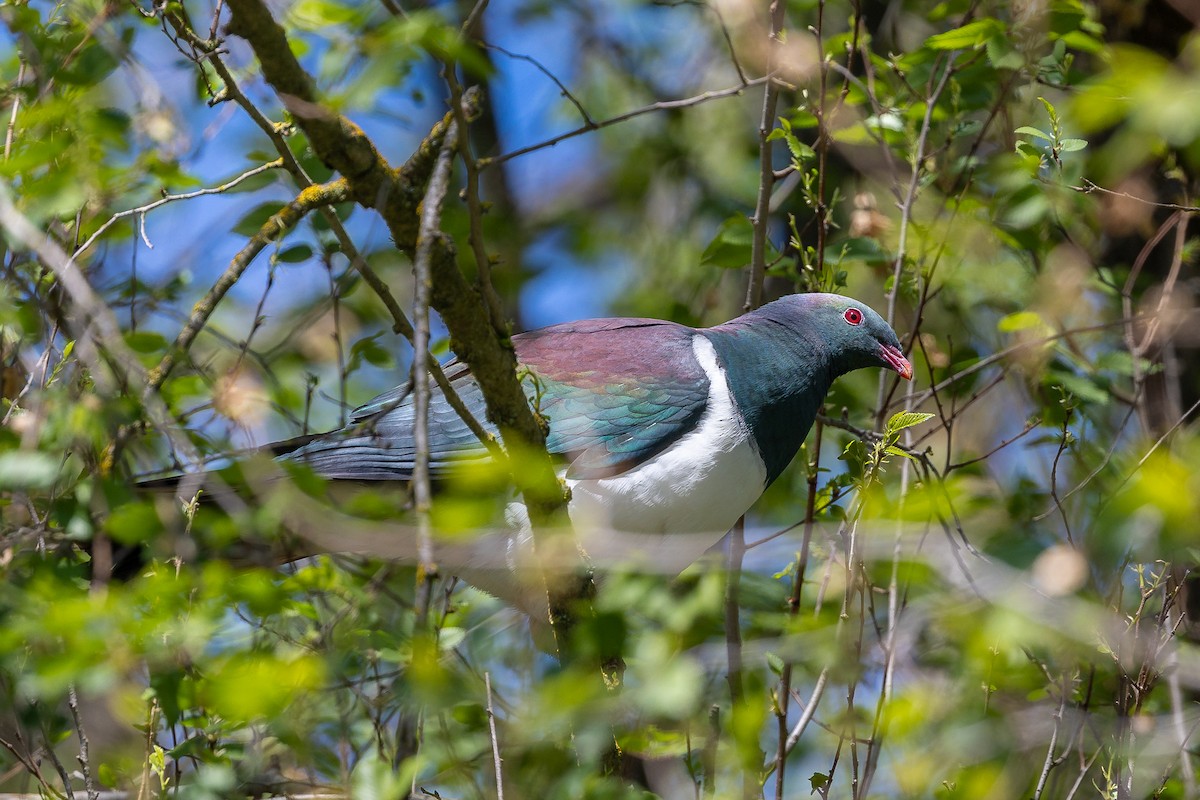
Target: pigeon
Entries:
(666, 434)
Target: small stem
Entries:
(496, 760)
(84, 759)
(431, 216)
(766, 173)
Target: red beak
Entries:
(897, 361)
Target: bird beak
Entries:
(896, 360)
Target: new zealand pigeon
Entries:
(667, 433)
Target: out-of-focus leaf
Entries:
(295, 254)
(973, 34)
(858, 248)
(253, 220)
(731, 246)
(133, 523)
(24, 469)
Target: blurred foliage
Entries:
(972, 586)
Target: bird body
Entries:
(667, 434)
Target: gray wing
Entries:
(377, 445)
(616, 393)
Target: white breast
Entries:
(662, 515)
(666, 512)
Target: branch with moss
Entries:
(396, 195)
(208, 51)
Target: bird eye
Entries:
(853, 316)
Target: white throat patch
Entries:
(666, 512)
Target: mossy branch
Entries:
(396, 195)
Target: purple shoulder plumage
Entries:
(603, 351)
(616, 391)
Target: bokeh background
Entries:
(989, 601)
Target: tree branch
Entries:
(395, 194)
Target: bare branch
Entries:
(587, 120)
(766, 172)
(141, 211)
(1089, 187)
(663, 105)
(496, 760)
(431, 218)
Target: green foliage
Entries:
(976, 582)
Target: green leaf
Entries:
(253, 220)
(971, 35)
(132, 523)
(251, 686)
(295, 254)
(1083, 388)
(798, 149)
(1078, 40)
(1002, 55)
(858, 248)
(450, 638)
(27, 470)
(906, 419)
(370, 350)
(146, 341)
(732, 244)
(1029, 131)
(1020, 321)
(1071, 145)
(893, 450)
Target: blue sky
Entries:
(196, 235)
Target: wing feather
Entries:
(616, 393)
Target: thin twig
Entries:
(496, 760)
(84, 759)
(733, 636)
(737, 64)
(1030, 426)
(431, 218)
(783, 699)
(16, 106)
(766, 172)
(1146, 457)
(286, 218)
(1050, 762)
(141, 211)
(1000, 355)
(810, 709)
(1089, 187)
(1064, 441)
(468, 26)
(906, 209)
(587, 119)
(663, 105)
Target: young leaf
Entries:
(973, 34)
(1030, 131)
(906, 419)
(892, 450)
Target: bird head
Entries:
(855, 335)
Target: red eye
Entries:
(853, 316)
